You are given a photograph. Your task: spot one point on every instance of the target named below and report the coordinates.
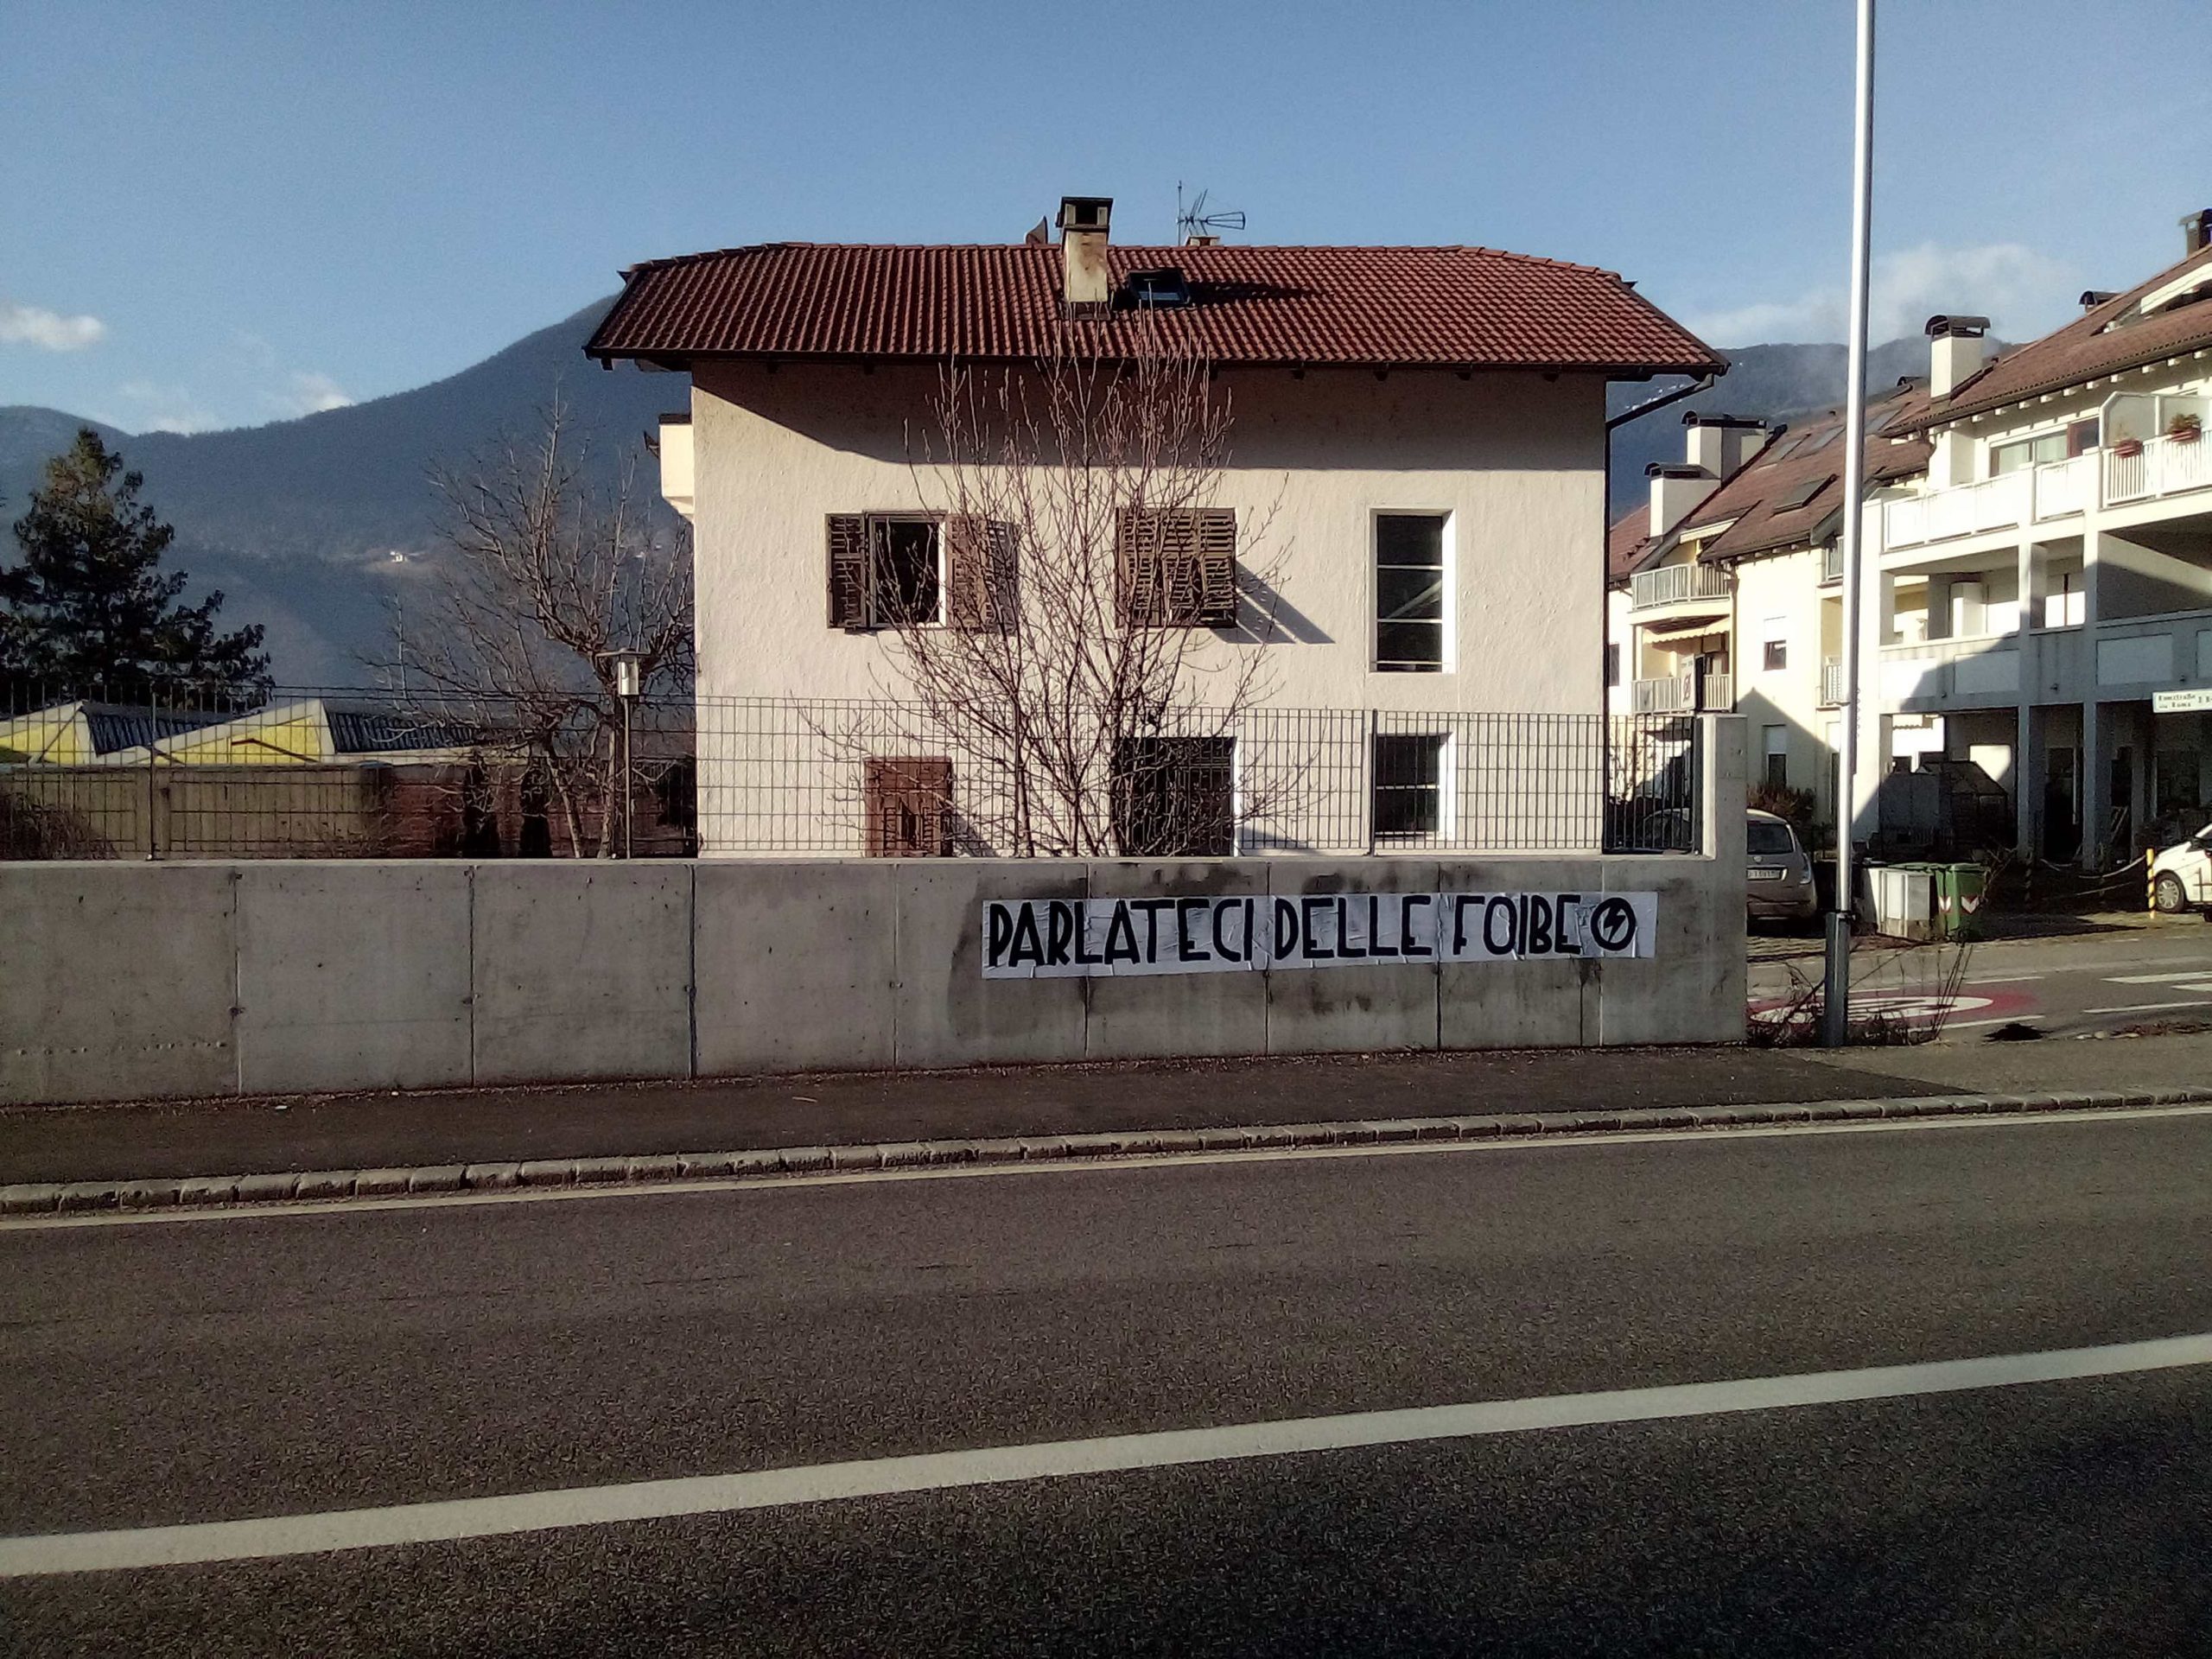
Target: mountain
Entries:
(1767, 383)
(298, 522)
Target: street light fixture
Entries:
(626, 673)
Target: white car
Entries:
(2180, 877)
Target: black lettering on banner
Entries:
(1184, 952)
(1000, 934)
(1612, 924)
(1121, 936)
(1083, 935)
(1286, 930)
(1027, 947)
(1344, 936)
(1461, 903)
(1374, 945)
(1498, 905)
(1536, 931)
(1309, 919)
(1408, 944)
(1228, 907)
(1152, 908)
(1567, 904)
(1059, 930)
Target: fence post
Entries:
(153, 732)
(1365, 774)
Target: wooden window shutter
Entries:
(1176, 568)
(1216, 563)
(979, 563)
(848, 572)
(908, 803)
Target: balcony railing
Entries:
(2058, 489)
(1678, 694)
(1670, 584)
(2163, 467)
(1832, 687)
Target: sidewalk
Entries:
(229, 1137)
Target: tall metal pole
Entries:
(1835, 1004)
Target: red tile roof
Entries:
(2086, 349)
(1452, 307)
(1807, 456)
(1626, 540)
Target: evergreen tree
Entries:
(90, 604)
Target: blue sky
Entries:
(222, 214)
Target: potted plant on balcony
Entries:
(2185, 428)
(2127, 446)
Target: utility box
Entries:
(1959, 892)
(1904, 900)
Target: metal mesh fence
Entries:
(306, 772)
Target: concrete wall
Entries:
(121, 980)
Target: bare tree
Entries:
(1073, 619)
(544, 581)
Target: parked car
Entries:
(1777, 872)
(2180, 877)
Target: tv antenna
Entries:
(1194, 225)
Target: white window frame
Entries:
(1449, 552)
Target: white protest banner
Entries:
(1079, 938)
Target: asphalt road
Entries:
(187, 1371)
(2074, 984)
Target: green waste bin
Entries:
(1959, 891)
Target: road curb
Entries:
(244, 1191)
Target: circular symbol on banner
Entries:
(1612, 923)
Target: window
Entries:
(1803, 492)
(1175, 567)
(1409, 592)
(2065, 605)
(1776, 657)
(890, 569)
(908, 806)
(1175, 796)
(2034, 452)
(1154, 288)
(1613, 665)
(1778, 756)
(1409, 784)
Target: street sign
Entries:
(2182, 703)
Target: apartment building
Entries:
(1418, 432)
(2042, 593)
(1726, 593)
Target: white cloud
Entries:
(310, 393)
(2024, 294)
(34, 325)
(162, 409)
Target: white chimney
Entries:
(1721, 443)
(1675, 491)
(1956, 352)
(1084, 223)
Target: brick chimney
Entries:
(1956, 351)
(2196, 230)
(1085, 285)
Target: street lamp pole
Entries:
(1835, 1004)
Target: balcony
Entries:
(1680, 584)
(2164, 467)
(1678, 694)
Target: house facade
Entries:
(2037, 587)
(1403, 520)
(2044, 590)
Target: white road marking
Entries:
(1593, 1140)
(653, 1500)
(2000, 1020)
(2003, 979)
(2159, 979)
(2145, 1008)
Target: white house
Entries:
(2044, 592)
(1420, 432)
